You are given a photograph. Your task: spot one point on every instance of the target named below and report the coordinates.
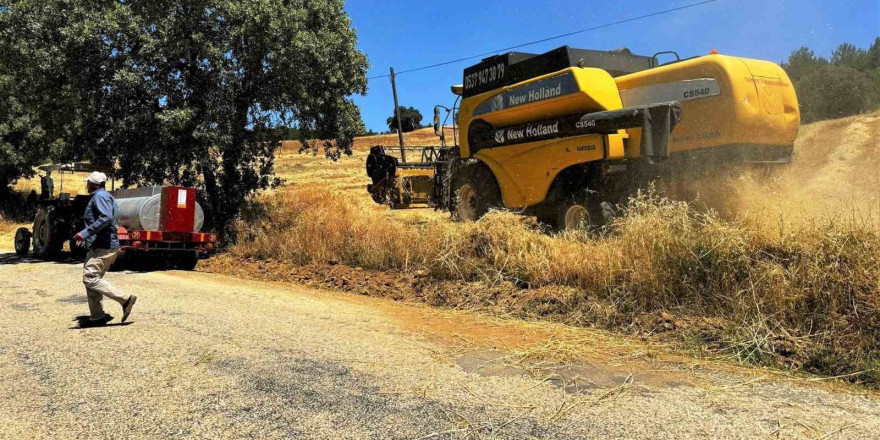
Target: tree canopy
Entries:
(189, 92)
(845, 85)
(410, 119)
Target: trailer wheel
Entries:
(48, 239)
(187, 260)
(475, 192)
(22, 241)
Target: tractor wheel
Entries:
(48, 239)
(22, 241)
(475, 192)
(187, 260)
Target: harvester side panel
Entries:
(525, 171)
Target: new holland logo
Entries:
(499, 137)
(497, 103)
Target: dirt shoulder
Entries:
(539, 335)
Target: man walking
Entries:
(100, 238)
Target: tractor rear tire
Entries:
(475, 191)
(22, 242)
(48, 238)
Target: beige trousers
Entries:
(98, 262)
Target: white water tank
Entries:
(139, 209)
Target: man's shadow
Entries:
(80, 320)
(63, 258)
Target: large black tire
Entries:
(582, 211)
(187, 260)
(22, 241)
(48, 236)
(474, 192)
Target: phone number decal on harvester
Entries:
(487, 75)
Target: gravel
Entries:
(211, 357)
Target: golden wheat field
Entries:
(778, 270)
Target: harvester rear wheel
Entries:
(475, 193)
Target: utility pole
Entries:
(399, 123)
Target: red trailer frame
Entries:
(203, 242)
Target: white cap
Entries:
(96, 178)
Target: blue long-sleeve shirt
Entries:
(100, 219)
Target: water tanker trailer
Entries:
(156, 224)
(164, 222)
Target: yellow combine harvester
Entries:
(566, 134)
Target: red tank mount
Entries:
(178, 209)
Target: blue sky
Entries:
(408, 34)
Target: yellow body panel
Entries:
(596, 92)
(526, 171)
(756, 105)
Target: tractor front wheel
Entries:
(22, 241)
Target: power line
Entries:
(628, 20)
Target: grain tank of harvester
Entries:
(565, 134)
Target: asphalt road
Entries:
(212, 357)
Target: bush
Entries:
(834, 92)
(848, 84)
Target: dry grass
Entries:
(5, 225)
(785, 270)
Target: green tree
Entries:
(847, 85)
(848, 55)
(22, 144)
(834, 92)
(410, 118)
(874, 54)
(802, 62)
(185, 91)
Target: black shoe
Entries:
(100, 322)
(127, 306)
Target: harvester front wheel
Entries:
(475, 193)
(576, 213)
